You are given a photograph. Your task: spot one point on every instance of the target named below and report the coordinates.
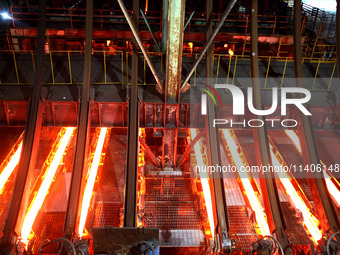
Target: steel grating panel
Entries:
(47, 225)
(241, 226)
(109, 199)
(174, 210)
(107, 214)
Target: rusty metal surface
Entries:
(174, 48)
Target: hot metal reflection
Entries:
(39, 198)
(91, 180)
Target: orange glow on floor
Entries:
(309, 220)
(255, 204)
(8, 170)
(39, 198)
(204, 182)
(91, 180)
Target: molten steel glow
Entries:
(309, 220)
(91, 180)
(333, 190)
(295, 139)
(204, 182)
(253, 199)
(38, 200)
(8, 170)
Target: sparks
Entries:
(38, 200)
(91, 180)
(204, 182)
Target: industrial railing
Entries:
(123, 59)
(74, 18)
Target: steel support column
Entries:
(320, 195)
(130, 212)
(174, 49)
(269, 189)
(83, 127)
(219, 200)
(164, 24)
(19, 201)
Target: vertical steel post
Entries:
(83, 127)
(321, 198)
(130, 212)
(164, 24)
(174, 48)
(218, 194)
(19, 201)
(269, 189)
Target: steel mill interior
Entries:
(101, 136)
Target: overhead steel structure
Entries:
(132, 119)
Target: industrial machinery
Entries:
(153, 127)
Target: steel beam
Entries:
(317, 185)
(189, 19)
(210, 39)
(174, 48)
(150, 153)
(189, 148)
(269, 189)
(130, 212)
(83, 127)
(149, 28)
(218, 194)
(140, 43)
(19, 200)
(164, 24)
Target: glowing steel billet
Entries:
(91, 180)
(309, 220)
(295, 139)
(8, 170)
(38, 200)
(252, 198)
(333, 190)
(204, 182)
